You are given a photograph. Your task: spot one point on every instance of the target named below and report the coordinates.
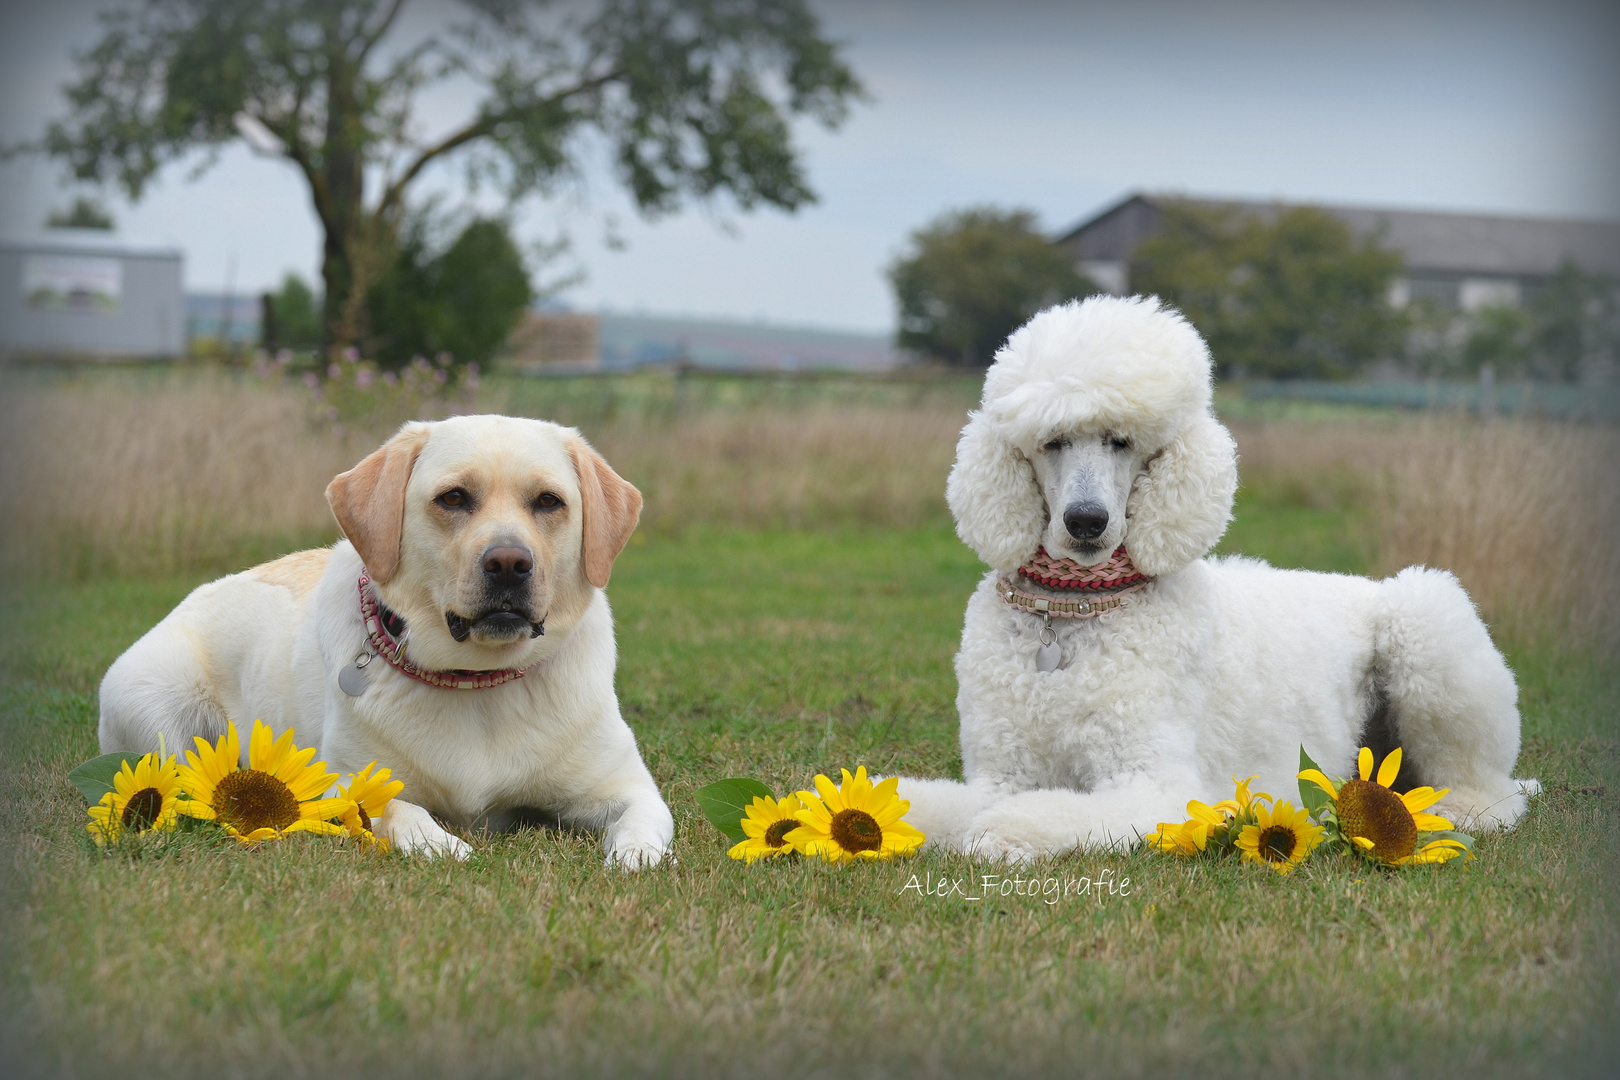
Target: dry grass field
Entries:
(791, 605)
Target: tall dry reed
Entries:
(1526, 514)
(211, 474)
(204, 474)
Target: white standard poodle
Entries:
(1109, 671)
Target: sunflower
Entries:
(1242, 804)
(766, 823)
(143, 799)
(1383, 823)
(1192, 836)
(1188, 838)
(856, 820)
(370, 793)
(1281, 836)
(278, 793)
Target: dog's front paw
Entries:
(635, 855)
(1000, 837)
(412, 830)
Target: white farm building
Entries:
(82, 293)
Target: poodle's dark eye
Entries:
(547, 501)
(1052, 446)
(455, 499)
(1119, 444)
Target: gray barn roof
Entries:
(1430, 241)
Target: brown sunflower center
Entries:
(776, 833)
(1277, 843)
(142, 809)
(1377, 813)
(249, 799)
(856, 830)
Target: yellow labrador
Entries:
(459, 636)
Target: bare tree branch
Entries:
(379, 33)
(483, 126)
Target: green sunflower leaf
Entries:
(725, 801)
(95, 777)
(1313, 798)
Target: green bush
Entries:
(974, 276)
(463, 300)
(1294, 295)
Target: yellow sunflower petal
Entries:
(1363, 843)
(1431, 823)
(1390, 768)
(891, 812)
(829, 793)
(1421, 798)
(314, 825)
(1319, 778)
(323, 809)
(1364, 763)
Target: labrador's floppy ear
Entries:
(369, 500)
(1180, 507)
(993, 495)
(612, 506)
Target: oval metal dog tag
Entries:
(1049, 656)
(353, 679)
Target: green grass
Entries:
(778, 655)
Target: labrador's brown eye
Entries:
(454, 499)
(547, 501)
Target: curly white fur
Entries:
(1219, 667)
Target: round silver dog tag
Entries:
(353, 679)
(1049, 656)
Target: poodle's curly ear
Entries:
(993, 495)
(1180, 507)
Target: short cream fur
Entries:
(270, 642)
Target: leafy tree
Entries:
(692, 97)
(84, 214)
(1499, 335)
(1575, 319)
(972, 277)
(464, 300)
(1292, 296)
(292, 316)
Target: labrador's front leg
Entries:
(636, 826)
(411, 829)
(641, 833)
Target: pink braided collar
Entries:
(394, 652)
(1115, 572)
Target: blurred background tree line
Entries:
(1290, 295)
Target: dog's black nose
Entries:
(508, 564)
(1085, 521)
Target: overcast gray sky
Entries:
(1509, 107)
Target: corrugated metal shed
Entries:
(83, 293)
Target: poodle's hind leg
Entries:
(1452, 699)
(159, 687)
(942, 810)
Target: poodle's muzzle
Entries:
(1086, 481)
